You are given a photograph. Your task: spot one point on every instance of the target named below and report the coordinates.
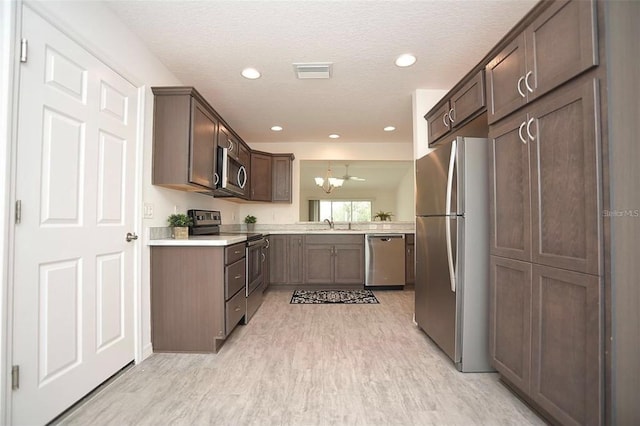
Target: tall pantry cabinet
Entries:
(545, 107)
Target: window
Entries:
(345, 210)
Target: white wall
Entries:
(423, 101)
(405, 198)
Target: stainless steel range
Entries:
(207, 222)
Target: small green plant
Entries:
(383, 216)
(179, 220)
(250, 219)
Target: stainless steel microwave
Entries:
(233, 174)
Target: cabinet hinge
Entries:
(18, 211)
(15, 377)
(23, 50)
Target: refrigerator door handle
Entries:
(452, 165)
(452, 268)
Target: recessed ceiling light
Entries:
(334, 136)
(277, 128)
(389, 129)
(250, 73)
(405, 60)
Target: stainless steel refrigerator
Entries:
(452, 251)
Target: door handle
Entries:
(531, 120)
(131, 237)
(452, 267)
(518, 85)
(522, 138)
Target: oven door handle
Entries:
(255, 242)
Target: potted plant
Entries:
(179, 224)
(250, 220)
(383, 216)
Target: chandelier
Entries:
(328, 183)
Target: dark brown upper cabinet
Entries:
(544, 181)
(509, 195)
(456, 111)
(565, 144)
(185, 132)
(261, 176)
(281, 177)
(557, 46)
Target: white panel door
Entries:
(73, 287)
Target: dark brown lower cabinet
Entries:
(286, 259)
(546, 337)
(195, 300)
(410, 261)
(510, 319)
(334, 259)
(566, 341)
(348, 267)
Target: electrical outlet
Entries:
(147, 211)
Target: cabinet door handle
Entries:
(444, 119)
(452, 113)
(526, 81)
(237, 308)
(522, 138)
(263, 257)
(529, 128)
(520, 80)
(237, 277)
(230, 145)
(242, 177)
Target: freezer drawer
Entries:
(384, 260)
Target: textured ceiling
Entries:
(206, 44)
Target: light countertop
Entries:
(229, 239)
(201, 240)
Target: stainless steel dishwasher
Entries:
(384, 260)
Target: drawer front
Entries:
(233, 253)
(334, 239)
(234, 310)
(234, 278)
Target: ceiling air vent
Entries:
(313, 70)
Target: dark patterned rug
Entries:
(333, 296)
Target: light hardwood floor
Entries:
(310, 365)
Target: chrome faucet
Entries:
(330, 222)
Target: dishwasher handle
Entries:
(384, 237)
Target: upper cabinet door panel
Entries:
(509, 196)
(203, 146)
(281, 179)
(468, 100)
(561, 43)
(438, 123)
(261, 176)
(565, 143)
(506, 91)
